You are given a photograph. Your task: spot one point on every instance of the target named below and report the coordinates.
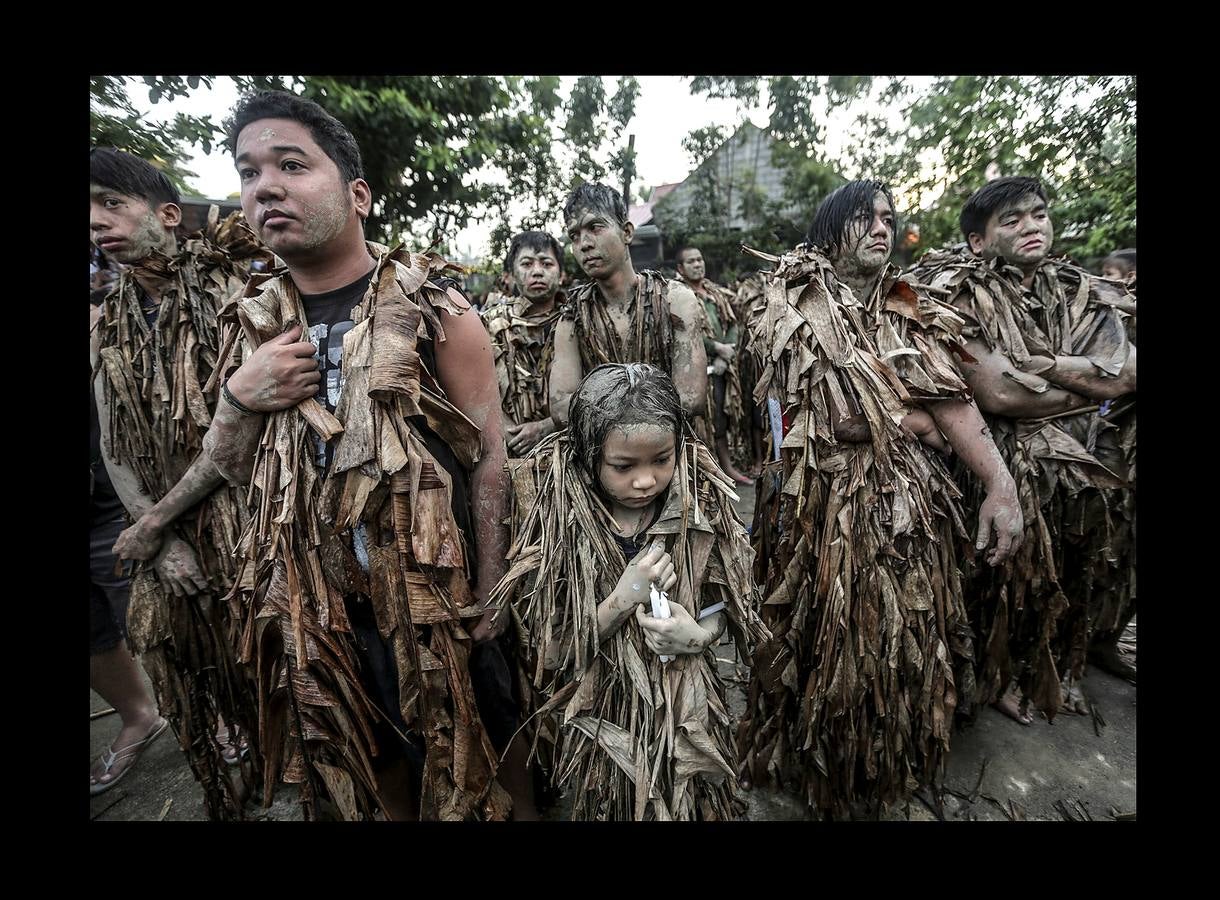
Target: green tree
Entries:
(934, 143)
(437, 151)
(115, 122)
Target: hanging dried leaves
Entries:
(315, 719)
(629, 737)
(523, 352)
(1072, 474)
(159, 395)
(855, 544)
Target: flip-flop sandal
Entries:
(131, 752)
(233, 754)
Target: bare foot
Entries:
(1012, 706)
(1074, 703)
(1108, 658)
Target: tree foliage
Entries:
(934, 144)
(438, 151)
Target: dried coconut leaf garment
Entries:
(722, 298)
(523, 350)
(1026, 625)
(298, 562)
(651, 329)
(855, 542)
(160, 399)
(632, 738)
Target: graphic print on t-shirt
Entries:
(327, 341)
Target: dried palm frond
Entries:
(160, 396)
(523, 352)
(630, 737)
(1074, 475)
(298, 567)
(856, 545)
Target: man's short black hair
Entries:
(597, 198)
(996, 195)
(1124, 259)
(538, 241)
(683, 249)
(130, 175)
(839, 211)
(328, 132)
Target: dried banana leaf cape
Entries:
(632, 738)
(523, 352)
(160, 398)
(1027, 626)
(723, 299)
(856, 545)
(748, 304)
(651, 326)
(315, 719)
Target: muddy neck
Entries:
(619, 286)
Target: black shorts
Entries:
(490, 677)
(720, 418)
(108, 593)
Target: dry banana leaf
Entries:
(630, 737)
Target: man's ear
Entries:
(628, 232)
(362, 197)
(977, 243)
(169, 215)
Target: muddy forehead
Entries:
(638, 438)
(586, 216)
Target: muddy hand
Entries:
(680, 633)
(1000, 517)
(141, 541)
(278, 375)
(179, 569)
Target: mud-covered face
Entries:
(292, 193)
(868, 239)
(637, 464)
(1020, 232)
(537, 273)
(691, 266)
(598, 242)
(128, 229)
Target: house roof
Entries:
(641, 213)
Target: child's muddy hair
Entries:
(620, 394)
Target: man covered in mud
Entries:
(1052, 365)
(520, 327)
(721, 344)
(620, 315)
(153, 354)
(366, 416)
(857, 529)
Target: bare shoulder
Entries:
(682, 300)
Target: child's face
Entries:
(637, 464)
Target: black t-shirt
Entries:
(104, 504)
(330, 318)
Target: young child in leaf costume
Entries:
(626, 498)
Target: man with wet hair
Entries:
(861, 348)
(520, 329)
(1051, 364)
(363, 410)
(152, 354)
(720, 344)
(619, 315)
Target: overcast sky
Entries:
(665, 113)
